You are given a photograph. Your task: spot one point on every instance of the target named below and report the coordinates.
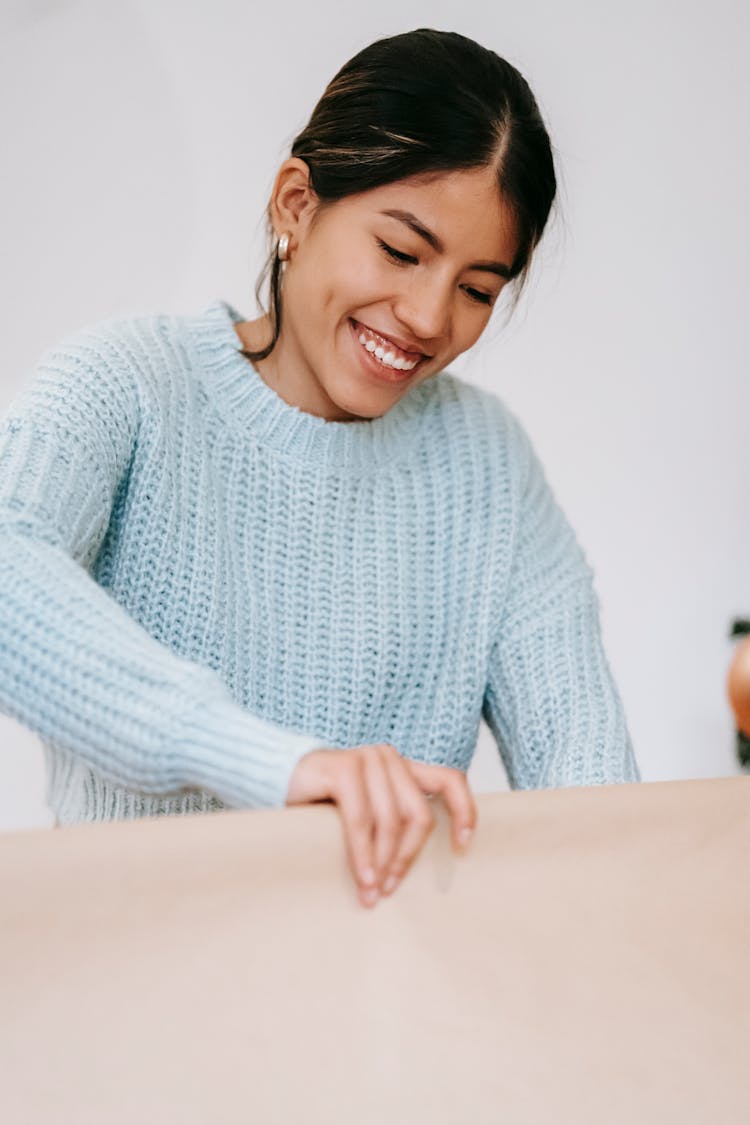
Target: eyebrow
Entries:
(430, 237)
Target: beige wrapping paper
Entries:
(586, 962)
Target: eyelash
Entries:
(407, 259)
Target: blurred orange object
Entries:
(738, 685)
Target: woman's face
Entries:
(384, 289)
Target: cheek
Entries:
(354, 280)
(474, 330)
(363, 288)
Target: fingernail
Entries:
(389, 884)
(464, 836)
(368, 875)
(369, 898)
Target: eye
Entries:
(482, 298)
(396, 255)
(407, 259)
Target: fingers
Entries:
(386, 806)
(385, 815)
(417, 817)
(453, 786)
(357, 816)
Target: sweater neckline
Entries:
(251, 404)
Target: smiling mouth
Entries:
(391, 364)
(386, 354)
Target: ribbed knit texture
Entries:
(199, 582)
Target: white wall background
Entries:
(140, 140)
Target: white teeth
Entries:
(399, 364)
(387, 358)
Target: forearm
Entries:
(77, 669)
(552, 702)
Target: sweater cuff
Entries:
(246, 761)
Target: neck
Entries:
(292, 387)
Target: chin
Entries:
(352, 405)
(359, 415)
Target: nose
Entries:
(424, 308)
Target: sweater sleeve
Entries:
(550, 700)
(75, 667)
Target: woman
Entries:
(260, 562)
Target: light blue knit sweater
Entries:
(199, 583)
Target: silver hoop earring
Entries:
(282, 248)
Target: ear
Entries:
(292, 200)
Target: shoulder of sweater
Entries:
(126, 337)
(137, 354)
(541, 533)
(470, 411)
(104, 376)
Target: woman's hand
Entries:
(385, 813)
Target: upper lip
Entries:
(399, 341)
